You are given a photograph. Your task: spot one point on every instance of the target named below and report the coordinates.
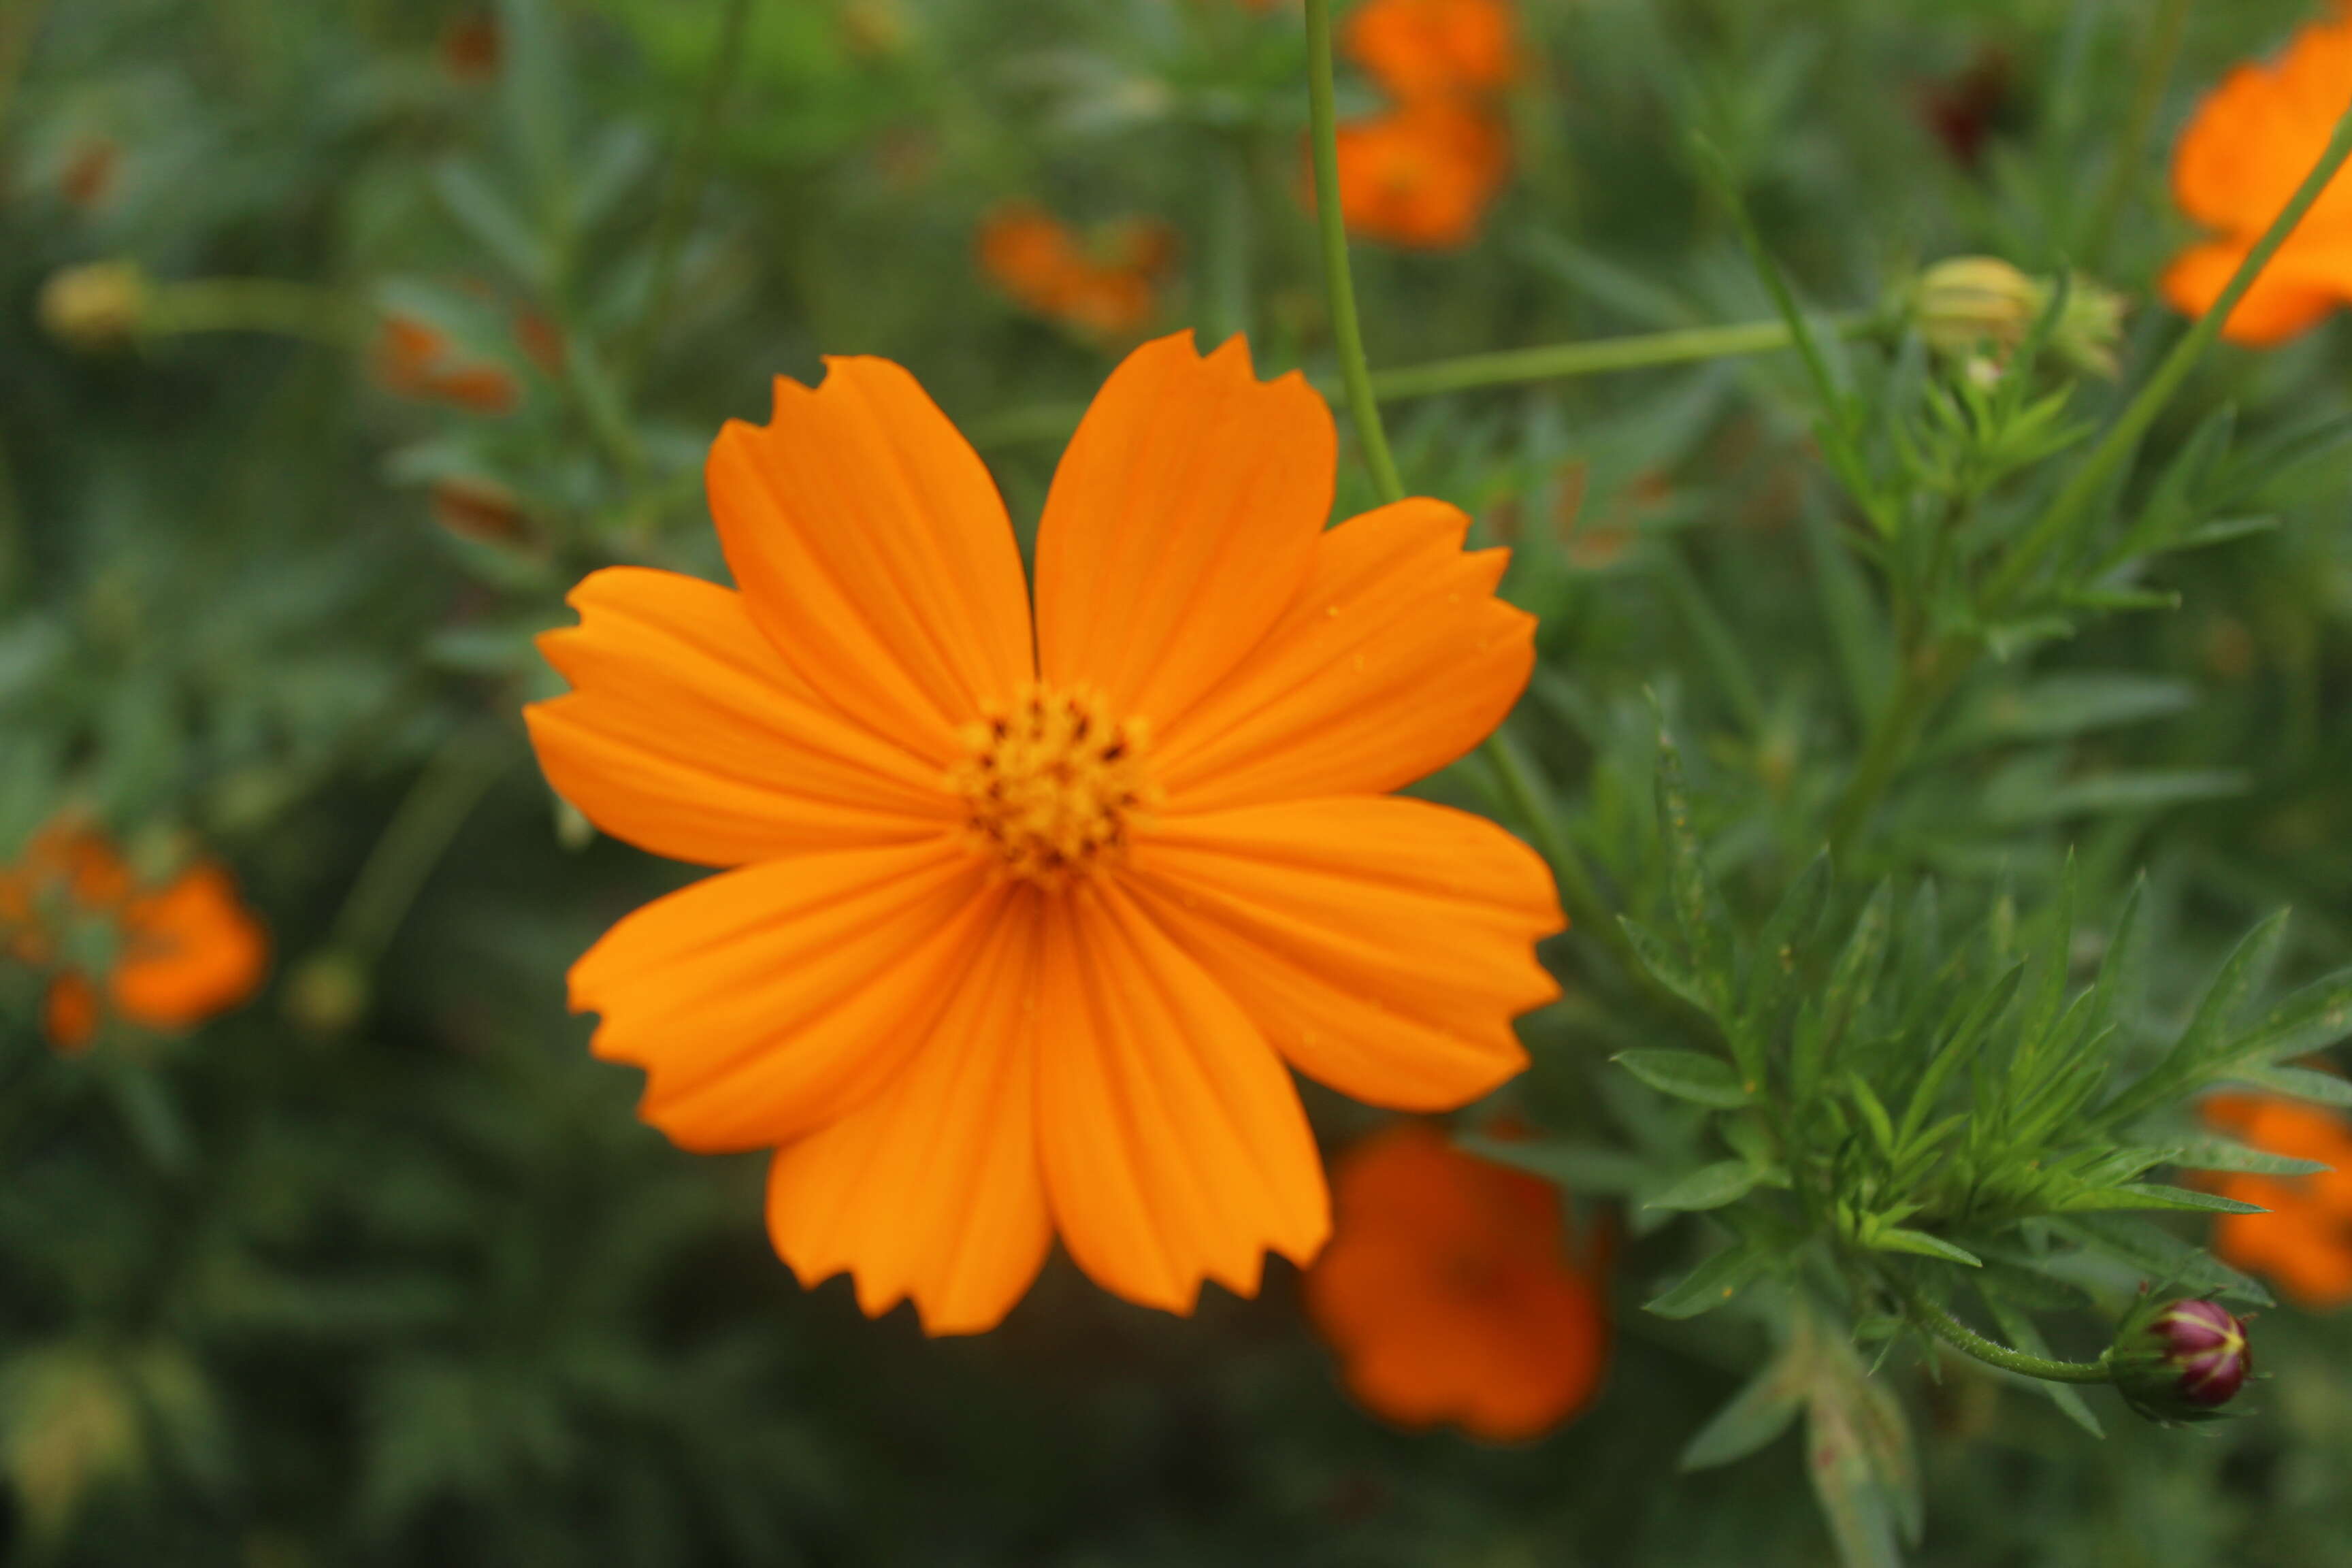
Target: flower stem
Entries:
(1532, 802)
(682, 191)
(1338, 284)
(1924, 680)
(1226, 302)
(1510, 367)
(1558, 362)
(421, 830)
(2123, 437)
(1962, 1338)
(1579, 895)
(253, 305)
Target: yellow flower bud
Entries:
(98, 305)
(1970, 304)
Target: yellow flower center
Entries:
(1052, 781)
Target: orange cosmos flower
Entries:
(1450, 1294)
(1419, 48)
(1108, 289)
(2304, 1245)
(2251, 143)
(415, 359)
(184, 952)
(1421, 175)
(1036, 896)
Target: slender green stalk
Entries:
(269, 305)
(682, 191)
(1225, 310)
(1559, 362)
(2156, 64)
(419, 834)
(1580, 894)
(1532, 802)
(2123, 437)
(1338, 284)
(1511, 367)
(1967, 1340)
(1920, 688)
(1037, 423)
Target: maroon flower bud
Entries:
(2180, 1360)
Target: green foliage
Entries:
(2005, 702)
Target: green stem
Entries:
(1920, 688)
(1557, 362)
(1962, 1338)
(269, 305)
(1550, 361)
(1580, 894)
(682, 191)
(1338, 284)
(419, 834)
(1226, 308)
(2131, 149)
(2123, 437)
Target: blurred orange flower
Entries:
(183, 952)
(1421, 176)
(2304, 1245)
(1036, 895)
(1450, 1292)
(2249, 146)
(415, 359)
(1419, 49)
(1107, 288)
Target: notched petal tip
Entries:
(872, 547)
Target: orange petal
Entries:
(1419, 48)
(2304, 281)
(1394, 660)
(932, 1189)
(1182, 521)
(2306, 1253)
(1383, 945)
(875, 553)
(1421, 176)
(685, 734)
(2255, 137)
(1506, 1373)
(189, 951)
(765, 1002)
(1173, 1142)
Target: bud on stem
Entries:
(1973, 304)
(2180, 1362)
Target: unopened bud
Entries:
(98, 305)
(2180, 1361)
(1973, 304)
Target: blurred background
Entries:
(340, 338)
